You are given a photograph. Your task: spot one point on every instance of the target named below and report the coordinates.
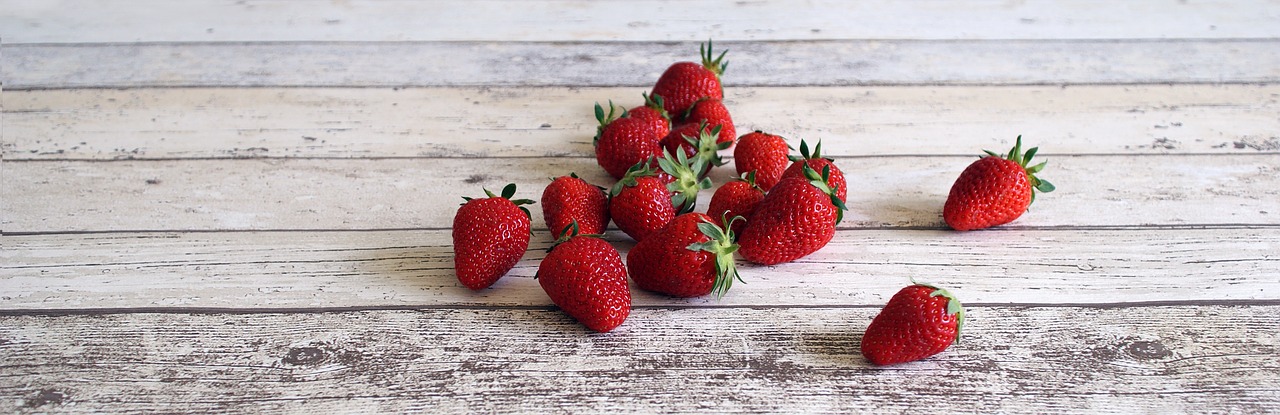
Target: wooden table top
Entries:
(221, 206)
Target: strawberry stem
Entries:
(684, 190)
(720, 243)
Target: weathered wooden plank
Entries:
(254, 194)
(415, 268)
(642, 20)
(612, 64)
(1060, 360)
(523, 122)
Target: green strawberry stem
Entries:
(570, 231)
(655, 102)
(715, 64)
(823, 183)
(805, 154)
(1023, 159)
(721, 245)
(684, 190)
(604, 120)
(707, 147)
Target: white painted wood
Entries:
(612, 64)
(251, 194)
(1059, 360)
(524, 122)
(282, 270)
(640, 20)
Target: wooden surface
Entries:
(219, 206)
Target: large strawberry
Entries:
(586, 278)
(736, 198)
(684, 83)
(645, 200)
(489, 237)
(918, 322)
(796, 218)
(713, 112)
(994, 190)
(697, 141)
(690, 257)
(569, 199)
(765, 154)
(622, 141)
(816, 162)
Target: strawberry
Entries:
(736, 198)
(796, 218)
(489, 237)
(684, 83)
(652, 112)
(918, 322)
(816, 162)
(569, 199)
(696, 141)
(689, 257)
(994, 190)
(713, 112)
(586, 278)
(644, 200)
(765, 154)
(622, 141)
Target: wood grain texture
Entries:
(1061, 360)
(540, 122)
(272, 270)
(255, 194)
(637, 64)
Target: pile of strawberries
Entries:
(780, 208)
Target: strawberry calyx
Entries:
(1023, 159)
(570, 231)
(706, 146)
(953, 305)
(655, 102)
(806, 155)
(507, 192)
(720, 244)
(715, 64)
(605, 119)
(684, 189)
(750, 179)
(642, 169)
(823, 182)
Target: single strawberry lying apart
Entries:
(994, 190)
(918, 322)
(489, 237)
(585, 277)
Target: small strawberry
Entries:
(736, 198)
(489, 237)
(690, 257)
(652, 112)
(622, 141)
(645, 200)
(586, 278)
(816, 162)
(796, 218)
(713, 112)
(994, 190)
(684, 83)
(569, 199)
(765, 154)
(918, 322)
(696, 141)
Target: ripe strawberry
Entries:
(569, 199)
(623, 141)
(489, 237)
(765, 154)
(816, 162)
(644, 200)
(736, 198)
(652, 112)
(684, 83)
(696, 141)
(796, 218)
(994, 190)
(690, 257)
(919, 321)
(713, 112)
(585, 277)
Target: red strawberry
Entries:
(622, 142)
(816, 162)
(919, 321)
(994, 190)
(713, 112)
(569, 199)
(585, 277)
(684, 83)
(652, 112)
(489, 237)
(736, 198)
(644, 201)
(765, 154)
(690, 257)
(696, 141)
(796, 218)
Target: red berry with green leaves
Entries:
(690, 257)
(736, 198)
(816, 162)
(646, 200)
(585, 277)
(765, 154)
(796, 218)
(621, 142)
(652, 113)
(918, 322)
(684, 83)
(713, 112)
(489, 237)
(696, 141)
(994, 190)
(569, 199)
